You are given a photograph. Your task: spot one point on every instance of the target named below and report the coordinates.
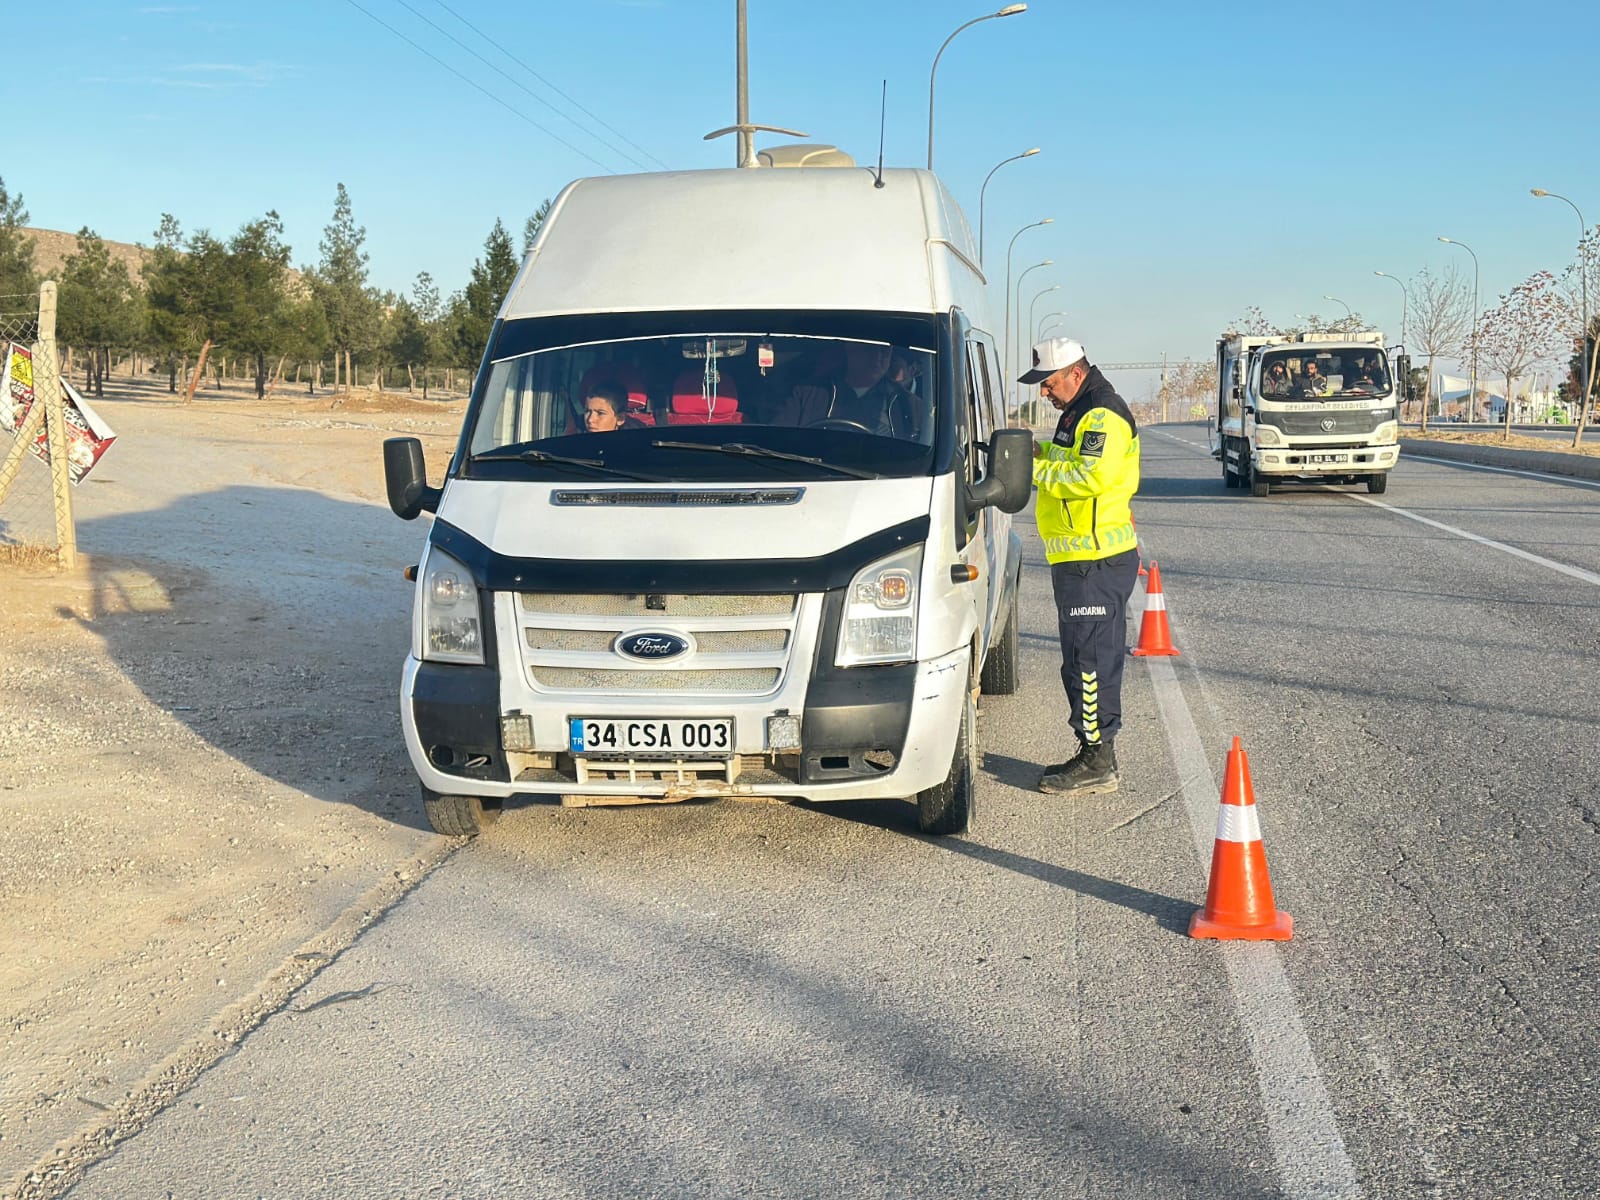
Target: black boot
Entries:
(1092, 772)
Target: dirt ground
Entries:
(201, 771)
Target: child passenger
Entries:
(603, 408)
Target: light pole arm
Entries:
(935, 71)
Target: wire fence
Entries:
(30, 500)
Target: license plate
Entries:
(1327, 458)
(705, 738)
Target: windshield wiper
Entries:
(506, 454)
(744, 448)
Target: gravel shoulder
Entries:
(200, 758)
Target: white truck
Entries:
(1323, 407)
(729, 513)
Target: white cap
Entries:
(1052, 355)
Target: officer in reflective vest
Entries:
(1086, 478)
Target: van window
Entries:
(648, 403)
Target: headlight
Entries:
(1388, 434)
(452, 629)
(1267, 435)
(880, 612)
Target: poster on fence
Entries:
(88, 436)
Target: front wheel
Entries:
(459, 816)
(999, 676)
(1377, 485)
(1260, 486)
(948, 807)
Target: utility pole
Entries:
(747, 137)
(745, 151)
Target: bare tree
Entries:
(1527, 327)
(1574, 286)
(1441, 311)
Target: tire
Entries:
(1260, 486)
(1000, 669)
(1377, 485)
(948, 807)
(459, 816)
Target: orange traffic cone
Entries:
(1155, 635)
(1239, 897)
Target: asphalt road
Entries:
(754, 1000)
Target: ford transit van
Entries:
(729, 513)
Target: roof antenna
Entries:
(883, 109)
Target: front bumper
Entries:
(451, 717)
(1299, 460)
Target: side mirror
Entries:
(1009, 481)
(407, 478)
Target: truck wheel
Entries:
(1260, 486)
(999, 676)
(1377, 485)
(459, 816)
(947, 807)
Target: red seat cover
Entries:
(691, 407)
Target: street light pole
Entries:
(1032, 325)
(1472, 395)
(1047, 319)
(1009, 10)
(1405, 302)
(1583, 281)
(985, 188)
(1005, 355)
(1022, 329)
(1349, 315)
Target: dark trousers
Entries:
(1091, 609)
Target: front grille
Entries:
(1346, 422)
(725, 641)
(604, 679)
(739, 644)
(655, 605)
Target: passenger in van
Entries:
(862, 393)
(1364, 375)
(604, 407)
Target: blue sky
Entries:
(1196, 157)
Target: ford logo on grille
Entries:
(651, 645)
(1327, 425)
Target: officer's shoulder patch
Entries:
(1094, 444)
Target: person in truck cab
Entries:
(1086, 478)
(1313, 382)
(1275, 380)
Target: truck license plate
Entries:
(706, 738)
(1328, 458)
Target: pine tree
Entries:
(17, 277)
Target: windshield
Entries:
(1308, 373)
(704, 401)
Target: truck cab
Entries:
(730, 510)
(1319, 407)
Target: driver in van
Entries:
(864, 394)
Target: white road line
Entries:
(1539, 559)
(1307, 1148)
(1472, 466)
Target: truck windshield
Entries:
(787, 403)
(1322, 373)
